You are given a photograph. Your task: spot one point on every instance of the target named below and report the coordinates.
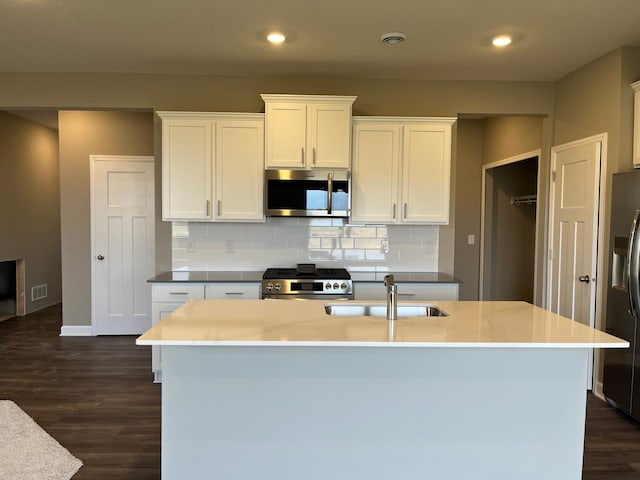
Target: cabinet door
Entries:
(233, 291)
(286, 135)
(239, 170)
(376, 165)
(426, 167)
(186, 169)
(328, 135)
(160, 311)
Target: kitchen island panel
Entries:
(324, 412)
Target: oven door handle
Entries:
(330, 193)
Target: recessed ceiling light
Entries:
(276, 37)
(501, 41)
(392, 38)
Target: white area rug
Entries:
(27, 452)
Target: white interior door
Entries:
(574, 230)
(123, 249)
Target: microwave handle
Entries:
(330, 193)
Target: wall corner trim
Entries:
(76, 331)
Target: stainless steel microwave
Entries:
(307, 193)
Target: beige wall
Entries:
(481, 142)
(467, 207)
(594, 99)
(509, 136)
(581, 109)
(29, 204)
(241, 94)
(83, 134)
(597, 99)
(176, 92)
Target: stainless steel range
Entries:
(307, 282)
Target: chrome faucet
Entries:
(392, 292)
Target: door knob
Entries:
(584, 278)
(100, 257)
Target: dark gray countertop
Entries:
(405, 277)
(204, 277)
(249, 276)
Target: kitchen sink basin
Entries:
(378, 310)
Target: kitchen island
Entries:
(281, 390)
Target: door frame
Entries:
(93, 159)
(483, 208)
(599, 235)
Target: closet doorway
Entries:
(508, 224)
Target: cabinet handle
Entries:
(219, 207)
(404, 213)
(178, 293)
(302, 155)
(208, 208)
(330, 193)
(234, 293)
(394, 211)
(406, 294)
(314, 155)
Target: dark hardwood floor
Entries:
(96, 397)
(612, 444)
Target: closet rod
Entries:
(524, 200)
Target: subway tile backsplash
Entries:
(283, 242)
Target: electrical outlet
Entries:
(384, 246)
(229, 246)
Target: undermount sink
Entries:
(380, 310)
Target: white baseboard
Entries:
(76, 331)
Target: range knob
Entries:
(343, 286)
(270, 286)
(336, 286)
(328, 286)
(277, 286)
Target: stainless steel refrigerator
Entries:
(621, 379)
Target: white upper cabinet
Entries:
(187, 152)
(307, 131)
(239, 169)
(426, 169)
(212, 166)
(375, 172)
(401, 170)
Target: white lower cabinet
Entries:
(407, 291)
(167, 297)
(233, 291)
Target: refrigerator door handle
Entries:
(633, 265)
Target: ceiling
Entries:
(446, 40)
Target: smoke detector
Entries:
(393, 38)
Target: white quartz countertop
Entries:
(305, 323)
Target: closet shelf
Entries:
(524, 200)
